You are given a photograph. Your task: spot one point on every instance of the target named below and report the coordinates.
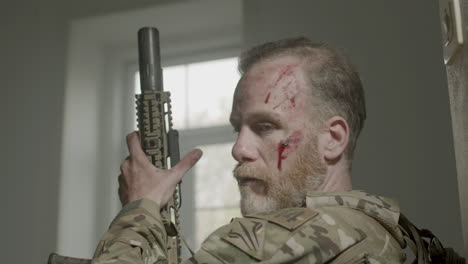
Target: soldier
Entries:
(298, 110)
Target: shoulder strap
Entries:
(426, 247)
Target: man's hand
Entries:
(140, 179)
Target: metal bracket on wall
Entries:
(452, 29)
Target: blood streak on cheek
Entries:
(291, 144)
(281, 148)
(267, 98)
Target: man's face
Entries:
(276, 146)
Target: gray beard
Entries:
(282, 189)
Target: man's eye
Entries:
(263, 127)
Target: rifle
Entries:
(159, 141)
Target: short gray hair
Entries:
(336, 86)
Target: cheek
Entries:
(269, 151)
(288, 146)
(295, 141)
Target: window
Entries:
(201, 96)
(216, 192)
(201, 93)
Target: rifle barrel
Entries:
(149, 59)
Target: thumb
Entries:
(187, 162)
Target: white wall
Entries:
(406, 148)
(32, 51)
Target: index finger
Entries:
(134, 146)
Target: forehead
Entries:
(270, 74)
(275, 86)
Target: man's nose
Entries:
(244, 150)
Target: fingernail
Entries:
(198, 153)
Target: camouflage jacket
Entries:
(334, 227)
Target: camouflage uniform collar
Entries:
(385, 210)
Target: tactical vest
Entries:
(426, 247)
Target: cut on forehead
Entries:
(274, 67)
(286, 72)
(271, 84)
(278, 64)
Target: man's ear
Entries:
(333, 138)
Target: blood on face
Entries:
(284, 89)
(287, 146)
